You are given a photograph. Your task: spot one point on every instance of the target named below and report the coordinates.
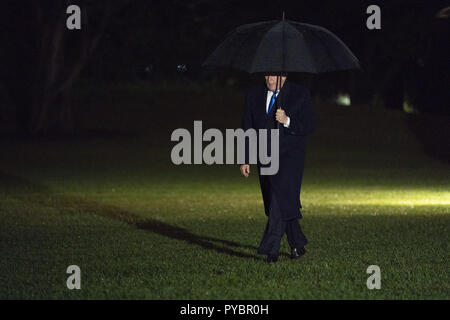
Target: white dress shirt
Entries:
(269, 97)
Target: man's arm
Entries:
(303, 121)
(247, 123)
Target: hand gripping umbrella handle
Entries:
(276, 99)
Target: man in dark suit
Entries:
(295, 119)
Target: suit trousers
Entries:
(276, 227)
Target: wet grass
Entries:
(140, 227)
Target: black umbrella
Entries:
(282, 46)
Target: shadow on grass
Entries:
(61, 137)
(26, 191)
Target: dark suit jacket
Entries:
(295, 100)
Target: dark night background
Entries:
(86, 177)
(132, 41)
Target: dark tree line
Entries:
(42, 59)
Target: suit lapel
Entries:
(282, 101)
(283, 96)
(263, 103)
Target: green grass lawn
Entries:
(140, 227)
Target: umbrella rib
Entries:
(308, 48)
(233, 59)
(259, 44)
(322, 43)
(328, 32)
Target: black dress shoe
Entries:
(271, 258)
(297, 253)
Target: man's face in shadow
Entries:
(271, 80)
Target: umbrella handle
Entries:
(276, 101)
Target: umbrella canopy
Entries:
(282, 46)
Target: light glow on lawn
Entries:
(380, 197)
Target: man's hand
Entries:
(245, 169)
(281, 116)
